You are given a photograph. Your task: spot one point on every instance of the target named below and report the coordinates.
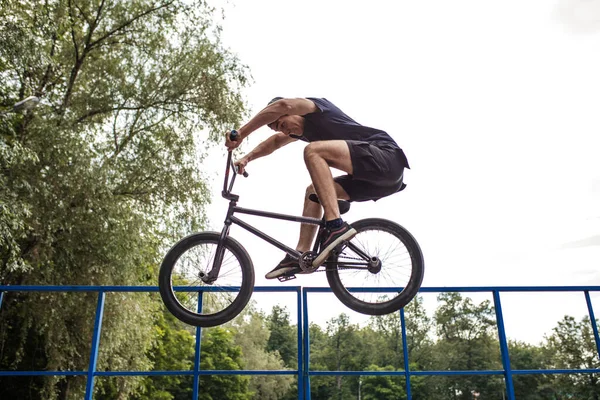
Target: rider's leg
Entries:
(314, 210)
(319, 156)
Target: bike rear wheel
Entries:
(397, 277)
(194, 301)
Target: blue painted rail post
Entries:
(508, 377)
(197, 354)
(306, 346)
(89, 389)
(405, 351)
(588, 300)
(300, 353)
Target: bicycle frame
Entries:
(232, 219)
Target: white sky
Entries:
(497, 107)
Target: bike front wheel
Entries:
(387, 283)
(192, 300)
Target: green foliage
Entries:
(13, 210)
(467, 342)
(389, 337)
(220, 352)
(419, 328)
(173, 350)
(283, 340)
(381, 387)
(531, 387)
(101, 176)
(336, 349)
(283, 337)
(252, 335)
(572, 346)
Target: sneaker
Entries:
(321, 237)
(287, 266)
(331, 239)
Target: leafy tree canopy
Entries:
(106, 171)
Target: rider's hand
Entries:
(241, 164)
(230, 144)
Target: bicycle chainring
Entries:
(306, 261)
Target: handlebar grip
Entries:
(245, 173)
(234, 137)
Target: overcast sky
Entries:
(497, 107)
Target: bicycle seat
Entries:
(343, 205)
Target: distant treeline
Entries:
(460, 336)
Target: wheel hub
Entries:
(374, 265)
(206, 278)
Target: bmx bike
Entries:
(207, 278)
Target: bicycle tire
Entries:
(408, 292)
(169, 297)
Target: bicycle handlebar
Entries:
(233, 136)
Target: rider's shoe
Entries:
(287, 266)
(331, 239)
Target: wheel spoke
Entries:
(395, 251)
(200, 259)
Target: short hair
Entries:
(274, 99)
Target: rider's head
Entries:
(274, 99)
(288, 124)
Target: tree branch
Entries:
(154, 104)
(72, 20)
(46, 77)
(127, 23)
(79, 58)
(108, 110)
(87, 19)
(134, 132)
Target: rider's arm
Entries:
(272, 143)
(273, 111)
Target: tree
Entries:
(173, 350)
(466, 342)
(421, 348)
(339, 350)
(389, 334)
(252, 335)
(531, 387)
(419, 331)
(381, 387)
(388, 330)
(98, 180)
(322, 387)
(221, 353)
(283, 338)
(572, 346)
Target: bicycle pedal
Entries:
(285, 278)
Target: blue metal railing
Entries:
(91, 372)
(304, 371)
(507, 372)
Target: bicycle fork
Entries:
(213, 274)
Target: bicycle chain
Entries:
(340, 267)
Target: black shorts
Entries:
(378, 169)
